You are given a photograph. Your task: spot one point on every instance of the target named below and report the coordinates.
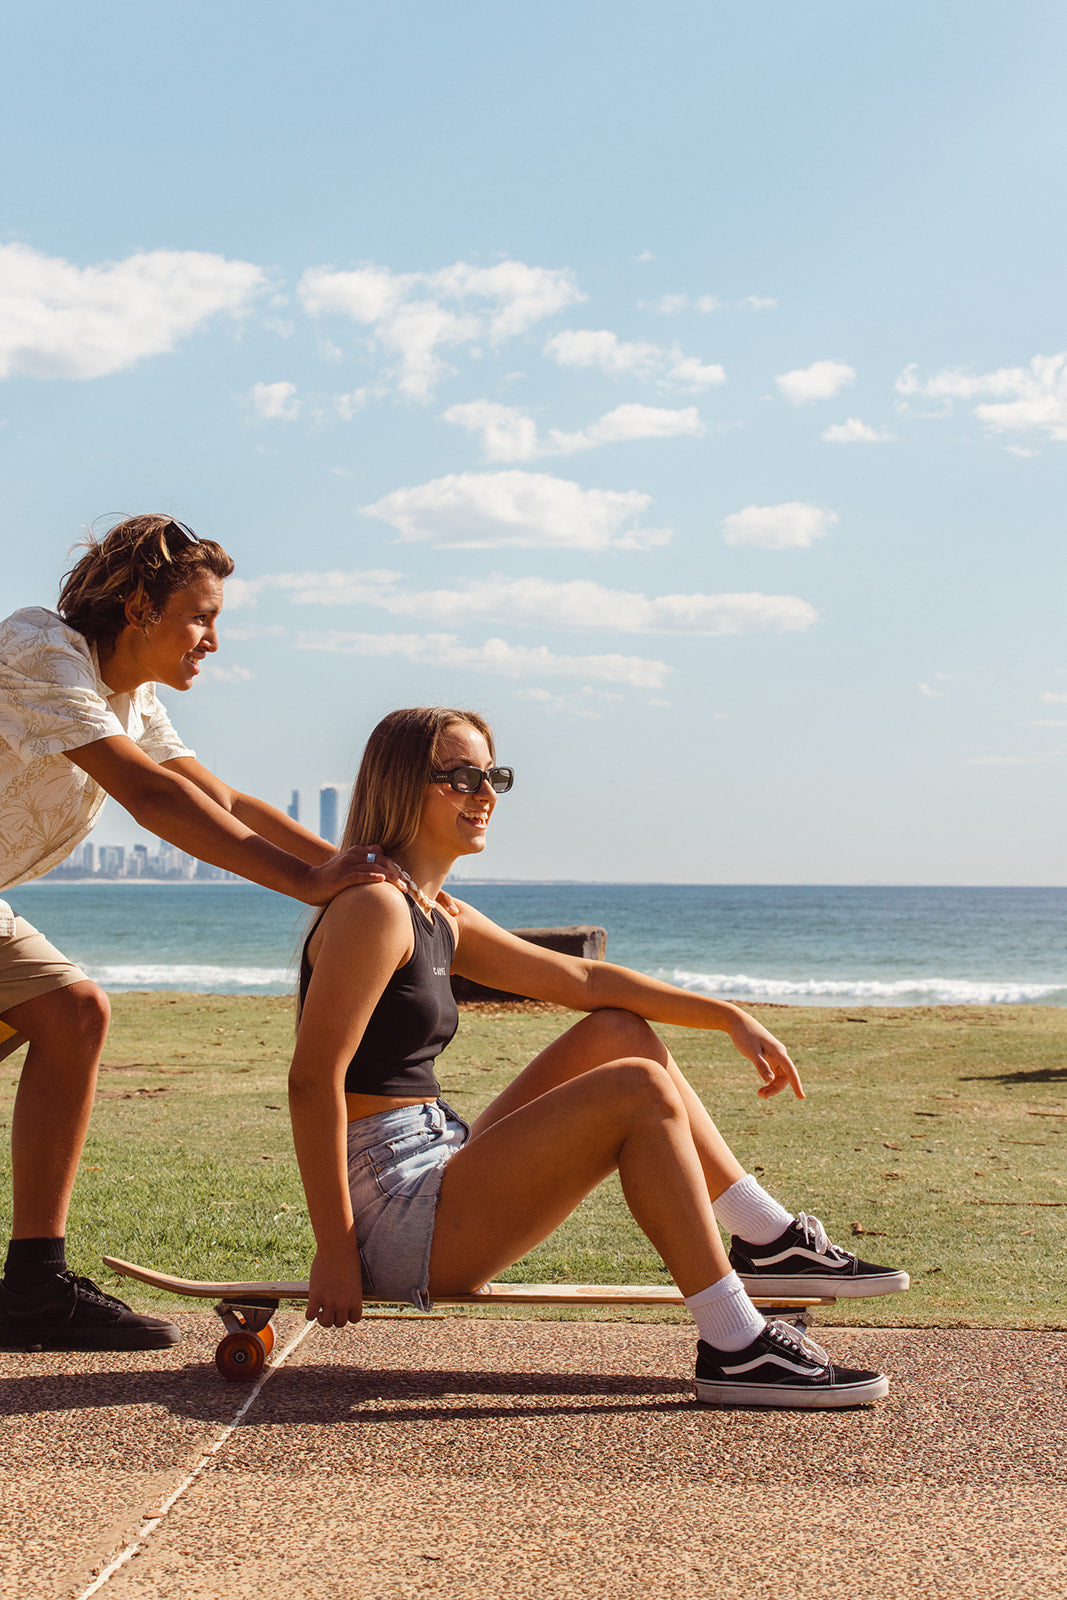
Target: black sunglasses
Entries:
(179, 528)
(468, 780)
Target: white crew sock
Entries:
(747, 1210)
(724, 1315)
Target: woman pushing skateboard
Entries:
(79, 720)
(408, 1201)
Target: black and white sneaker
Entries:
(71, 1313)
(802, 1261)
(783, 1368)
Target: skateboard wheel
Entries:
(266, 1338)
(240, 1357)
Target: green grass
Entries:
(941, 1133)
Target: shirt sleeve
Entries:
(158, 739)
(50, 701)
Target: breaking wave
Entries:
(194, 979)
(871, 991)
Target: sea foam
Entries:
(869, 991)
(194, 978)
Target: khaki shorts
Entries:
(29, 966)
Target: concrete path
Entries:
(512, 1460)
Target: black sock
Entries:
(31, 1262)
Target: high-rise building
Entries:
(113, 860)
(292, 810)
(328, 812)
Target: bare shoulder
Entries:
(374, 911)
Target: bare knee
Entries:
(645, 1087)
(620, 1033)
(71, 1020)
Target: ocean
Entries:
(793, 945)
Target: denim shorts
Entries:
(396, 1160)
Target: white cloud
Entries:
(489, 510)
(1050, 697)
(495, 655)
(600, 348)
(276, 401)
(854, 432)
(540, 602)
(821, 381)
(349, 404)
(689, 372)
(587, 703)
(933, 694)
(668, 305)
(217, 674)
(791, 526)
(509, 434)
(58, 320)
(1029, 399)
(417, 315)
(635, 421)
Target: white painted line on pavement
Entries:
(150, 1524)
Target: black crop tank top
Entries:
(413, 1021)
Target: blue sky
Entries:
(684, 386)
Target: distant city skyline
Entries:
(164, 864)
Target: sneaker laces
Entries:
(86, 1289)
(787, 1334)
(818, 1237)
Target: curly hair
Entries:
(397, 761)
(142, 559)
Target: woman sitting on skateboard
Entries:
(408, 1201)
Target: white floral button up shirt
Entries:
(53, 699)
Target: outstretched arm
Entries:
(266, 820)
(492, 956)
(183, 803)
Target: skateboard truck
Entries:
(249, 1338)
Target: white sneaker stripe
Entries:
(796, 1368)
(824, 1263)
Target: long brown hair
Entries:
(397, 761)
(143, 559)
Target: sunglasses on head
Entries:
(179, 530)
(468, 780)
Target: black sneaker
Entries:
(784, 1368)
(802, 1261)
(71, 1313)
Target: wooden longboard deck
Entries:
(513, 1294)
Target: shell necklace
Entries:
(416, 893)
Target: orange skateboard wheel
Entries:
(240, 1357)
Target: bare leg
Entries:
(601, 1037)
(66, 1029)
(517, 1180)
